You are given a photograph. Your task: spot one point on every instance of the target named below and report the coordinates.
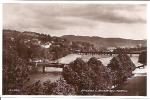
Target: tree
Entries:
(143, 58)
(15, 69)
(121, 68)
(103, 78)
(15, 74)
(92, 75)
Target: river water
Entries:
(134, 86)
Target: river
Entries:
(134, 86)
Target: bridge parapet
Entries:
(110, 53)
(44, 65)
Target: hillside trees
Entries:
(28, 50)
(82, 46)
(59, 51)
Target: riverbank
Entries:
(52, 76)
(135, 86)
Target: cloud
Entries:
(113, 13)
(51, 17)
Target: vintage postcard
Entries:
(74, 49)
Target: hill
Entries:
(99, 42)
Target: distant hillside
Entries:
(31, 45)
(106, 42)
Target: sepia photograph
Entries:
(74, 49)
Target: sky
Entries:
(104, 20)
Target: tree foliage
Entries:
(60, 87)
(121, 68)
(143, 58)
(33, 89)
(15, 70)
(92, 75)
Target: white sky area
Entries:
(103, 20)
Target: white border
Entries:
(1, 49)
(78, 97)
(78, 2)
(148, 49)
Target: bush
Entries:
(59, 87)
(34, 89)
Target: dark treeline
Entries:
(130, 50)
